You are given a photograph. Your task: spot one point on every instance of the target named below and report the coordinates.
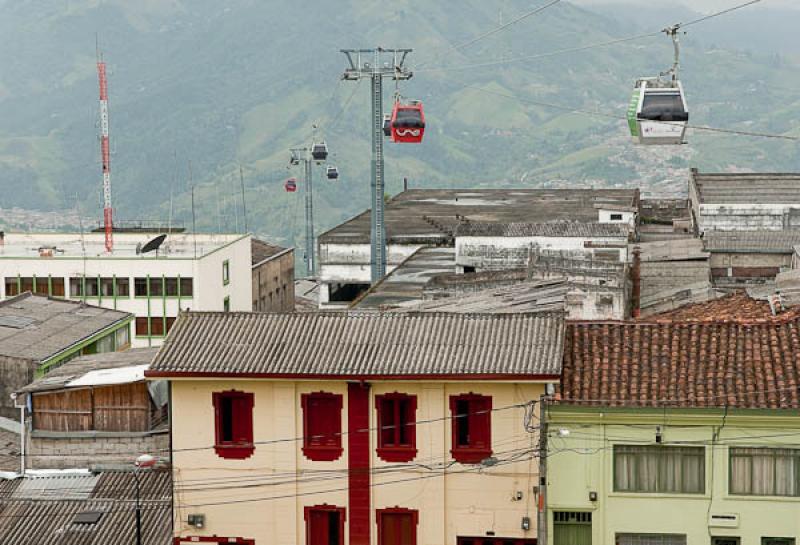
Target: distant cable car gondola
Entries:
(290, 185)
(408, 122)
(657, 113)
(332, 173)
(387, 125)
(319, 151)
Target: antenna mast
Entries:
(108, 221)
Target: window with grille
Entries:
(396, 427)
(233, 423)
(777, 541)
(651, 539)
(322, 426)
(659, 469)
(765, 471)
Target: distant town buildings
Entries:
(179, 272)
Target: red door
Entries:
(397, 527)
(324, 525)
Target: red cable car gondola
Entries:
(408, 122)
(291, 185)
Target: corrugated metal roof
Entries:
(672, 250)
(747, 188)
(363, 345)
(57, 324)
(532, 296)
(74, 369)
(551, 229)
(781, 242)
(430, 216)
(50, 520)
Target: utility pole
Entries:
(385, 63)
(303, 155)
(541, 507)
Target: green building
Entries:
(676, 433)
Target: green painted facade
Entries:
(580, 461)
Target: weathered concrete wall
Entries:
(747, 217)
(14, 374)
(273, 284)
(60, 450)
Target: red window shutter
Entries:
(322, 426)
(324, 525)
(233, 424)
(471, 427)
(397, 437)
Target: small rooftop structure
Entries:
(430, 216)
(85, 508)
(364, 345)
(661, 364)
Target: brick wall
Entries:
(51, 450)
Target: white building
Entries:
(187, 271)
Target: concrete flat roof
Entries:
(430, 216)
(92, 245)
(747, 188)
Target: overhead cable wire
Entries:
(585, 47)
(495, 30)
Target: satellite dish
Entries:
(153, 244)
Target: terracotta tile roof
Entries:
(738, 307)
(362, 345)
(684, 364)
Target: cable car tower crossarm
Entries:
(385, 63)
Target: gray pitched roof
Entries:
(551, 229)
(781, 242)
(48, 517)
(368, 345)
(73, 369)
(261, 251)
(747, 188)
(35, 327)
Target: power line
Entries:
(717, 14)
(496, 30)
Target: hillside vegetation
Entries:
(220, 84)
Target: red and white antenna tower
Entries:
(106, 156)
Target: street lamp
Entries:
(143, 461)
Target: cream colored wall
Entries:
(277, 482)
(582, 462)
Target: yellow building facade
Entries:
(388, 441)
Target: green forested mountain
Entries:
(220, 84)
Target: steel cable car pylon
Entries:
(657, 113)
(376, 71)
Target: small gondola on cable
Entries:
(407, 123)
(319, 151)
(291, 185)
(332, 172)
(657, 113)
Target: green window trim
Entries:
(226, 304)
(226, 272)
(57, 359)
